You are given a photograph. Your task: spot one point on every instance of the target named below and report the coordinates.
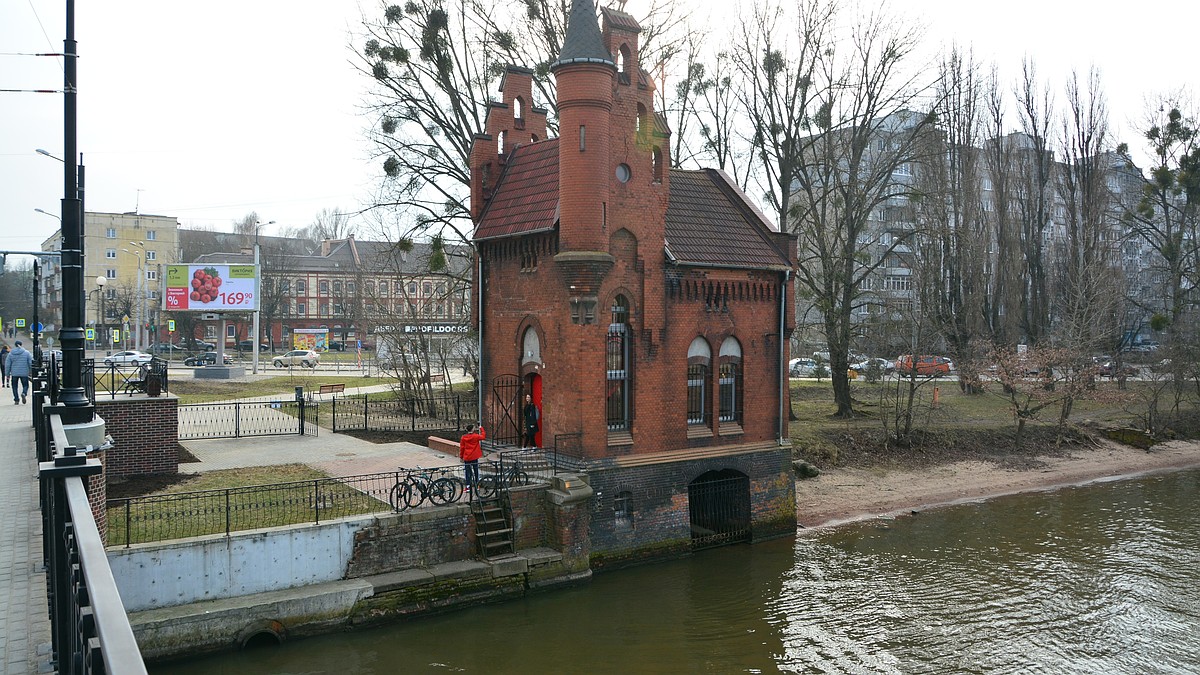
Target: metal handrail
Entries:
(89, 627)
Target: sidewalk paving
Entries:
(24, 618)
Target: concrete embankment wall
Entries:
(218, 567)
(214, 593)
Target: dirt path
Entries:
(846, 494)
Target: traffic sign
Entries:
(170, 325)
(89, 334)
(40, 327)
(20, 323)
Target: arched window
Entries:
(623, 58)
(640, 123)
(698, 363)
(531, 347)
(730, 409)
(500, 143)
(616, 357)
(656, 164)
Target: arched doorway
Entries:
(533, 387)
(719, 508)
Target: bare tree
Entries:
(1033, 192)
(953, 240)
(434, 65)
(868, 111)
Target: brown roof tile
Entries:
(526, 198)
(710, 222)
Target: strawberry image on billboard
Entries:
(211, 288)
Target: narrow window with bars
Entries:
(617, 366)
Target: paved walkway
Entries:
(336, 454)
(24, 621)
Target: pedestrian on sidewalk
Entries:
(3, 365)
(533, 422)
(19, 366)
(470, 452)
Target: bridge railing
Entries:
(89, 628)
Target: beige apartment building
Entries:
(128, 251)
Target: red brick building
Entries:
(646, 309)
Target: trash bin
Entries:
(153, 384)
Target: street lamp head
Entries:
(100, 281)
(47, 213)
(46, 153)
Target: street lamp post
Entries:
(141, 291)
(257, 298)
(102, 319)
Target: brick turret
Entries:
(511, 122)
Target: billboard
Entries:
(315, 339)
(210, 288)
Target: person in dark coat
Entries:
(19, 367)
(4, 365)
(533, 422)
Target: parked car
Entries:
(128, 358)
(802, 367)
(248, 346)
(935, 366)
(165, 348)
(199, 345)
(206, 359)
(297, 357)
(337, 346)
(885, 366)
(1109, 369)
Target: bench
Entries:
(332, 389)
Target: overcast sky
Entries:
(208, 111)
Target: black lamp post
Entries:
(71, 336)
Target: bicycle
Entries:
(492, 483)
(420, 484)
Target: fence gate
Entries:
(247, 418)
(719, 508)
(505, 410)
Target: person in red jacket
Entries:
(470, 452)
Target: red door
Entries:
(533, 385)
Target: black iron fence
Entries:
(241, 419)
(137, 520)
(110, 379)
(387, 413)
(90, 632)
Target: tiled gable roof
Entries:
(710, 222)
(526, 197)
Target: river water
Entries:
(1097, 579)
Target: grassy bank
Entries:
(970, 426)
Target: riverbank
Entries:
(846, 494)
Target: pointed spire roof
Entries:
(583, 43)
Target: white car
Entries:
(297, 357)
(802, 367)
(128, 358)
(885, 366)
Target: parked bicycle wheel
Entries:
(445, 490)
(518, 477)
(417, 492)
(485, 487)
(398, 496)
